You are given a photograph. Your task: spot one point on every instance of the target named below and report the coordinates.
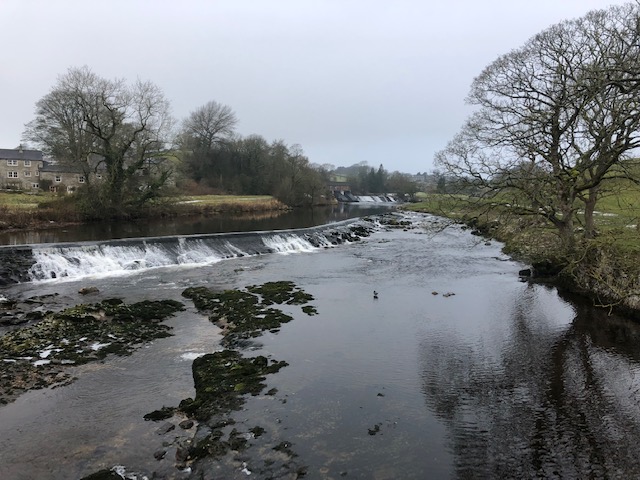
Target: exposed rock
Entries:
(165, 428)
(88, 290)
(159, 454)
(161, 414)
(186, 424)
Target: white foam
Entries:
(287, 244)
(191, 355)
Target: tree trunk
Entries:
(589, 207)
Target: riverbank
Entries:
(604, 269)
(19, 211)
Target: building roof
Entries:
(60, 168)
(20, 154)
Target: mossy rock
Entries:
(222, 378)
(246, 314)
(77, 335)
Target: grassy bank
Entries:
(19, 211)
(605, 268)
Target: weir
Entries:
(41, 262)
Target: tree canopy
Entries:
(554, 118)
(105, 125)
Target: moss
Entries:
(222, 378)
(280, 293)
(246, 314)
(77, 335)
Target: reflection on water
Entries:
(277, 220)
(558, 400)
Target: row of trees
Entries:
(365, 180)
(215, 157)
(114, 130)
(556, 119)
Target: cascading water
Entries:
(288, 243)
(121, 257)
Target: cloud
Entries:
(349, 80)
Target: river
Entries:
(456, 370)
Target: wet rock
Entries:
(159, 454)
(103, 475)
(34, 315)
(375, 429)
(186, 424)
(165, 428)
(246, 314)
(15, 264)
(88, 290)
(161, 414)
(222, 378)
(182, 454)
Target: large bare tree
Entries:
(203, 136)
(123, 125)
(554, 118)
(209, 124)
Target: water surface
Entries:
(196, 225)
(457, 370)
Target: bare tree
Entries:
(122, 124)
(209, 124)
(203, 137)
(554, 118)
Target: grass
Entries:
(617, 217)
(24, 201)
(224, 199)
(214, 204)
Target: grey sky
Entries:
(349, 80)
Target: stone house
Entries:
(61, 178)
(26, 170)
(20, 169)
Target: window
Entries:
(27, 173)
(12, 174)
(58, 178)
(27, 163)
(37, 173)
(12, 163)
(99, 176)
(35, 185)
(53, 188)
(80, 178)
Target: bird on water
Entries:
(375, 294)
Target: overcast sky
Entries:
(348, 80)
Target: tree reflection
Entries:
(552, 403)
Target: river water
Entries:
(194, 225)
(456, 370)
